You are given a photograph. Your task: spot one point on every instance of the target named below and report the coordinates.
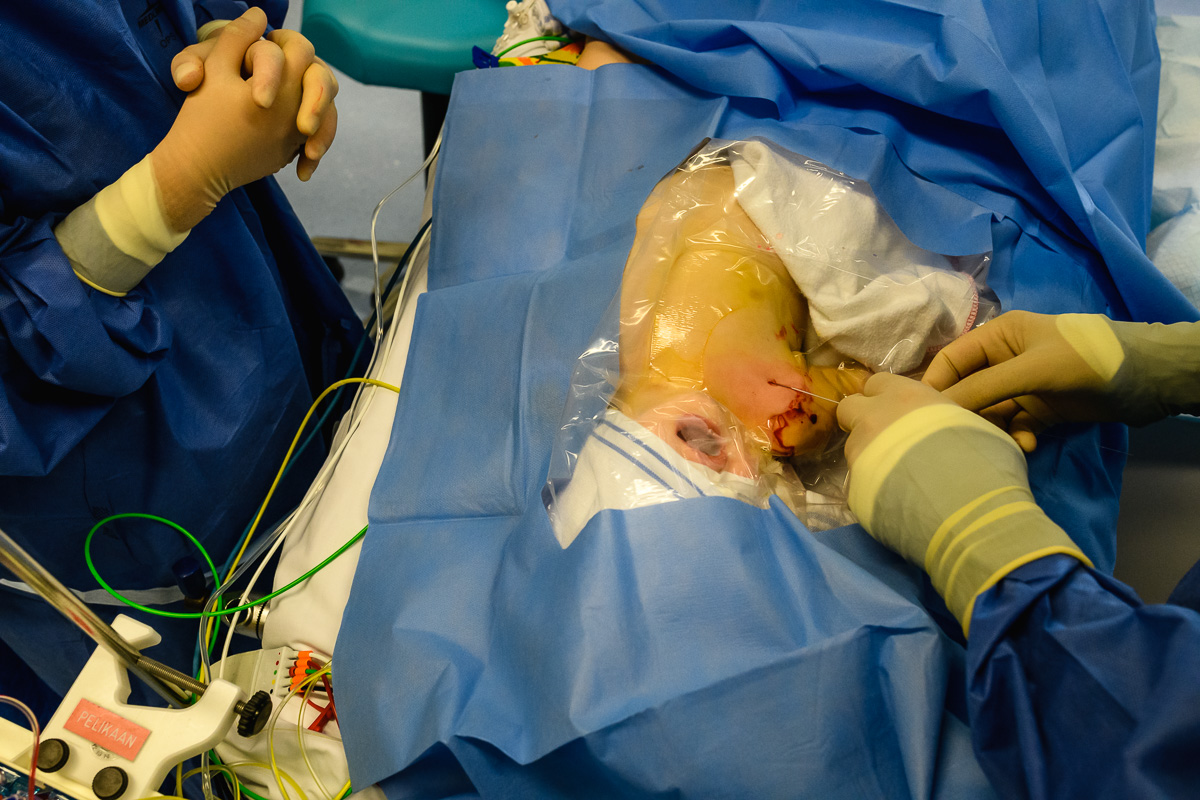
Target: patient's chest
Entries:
(704, 287)
(707, 307)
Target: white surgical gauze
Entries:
(873, 295)
(117, 237)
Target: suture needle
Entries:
(803, 391)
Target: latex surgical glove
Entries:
(263, 68)
(1026, 371)
(943, 488)
(221, 138)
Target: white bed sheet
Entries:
(309, 616)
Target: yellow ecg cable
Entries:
(262, 509)
(261, 765)
(274, 721)
(301, 730)
(279, 475)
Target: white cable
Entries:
(359, 406)
(437, 145)
(245, 598)
(402, 292)
(356, 415)
(302, 731)
(253, 554)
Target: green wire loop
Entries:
(87, 555)
(217, 612)
(563, 39)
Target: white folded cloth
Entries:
(873, 295)
(1174, 244)
(1174, 247)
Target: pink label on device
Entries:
(110, 731)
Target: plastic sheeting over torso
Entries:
(706, 646)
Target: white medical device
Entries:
(99, 747)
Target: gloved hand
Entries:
(263, 67)
(222, 138)
(1026, 372)
(943, 488)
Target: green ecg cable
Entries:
(87, 554)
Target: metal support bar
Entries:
(38, 578)
(358, 248)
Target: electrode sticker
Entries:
(111, 731)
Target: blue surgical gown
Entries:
(1078, 689)
(178, 399)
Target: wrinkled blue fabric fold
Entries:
(1057, 648)
(57, 322)
(1037, 74)
(705, 647)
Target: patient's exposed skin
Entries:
(597, 54)
(711, 331)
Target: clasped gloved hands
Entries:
(263, 66)
(254, 104)
(1026, 371)
(233, 130)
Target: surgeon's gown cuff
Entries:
(1078, 689)
(119, 235)
(70, 352)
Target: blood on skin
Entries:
(778, 423)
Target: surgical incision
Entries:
(712, 327)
